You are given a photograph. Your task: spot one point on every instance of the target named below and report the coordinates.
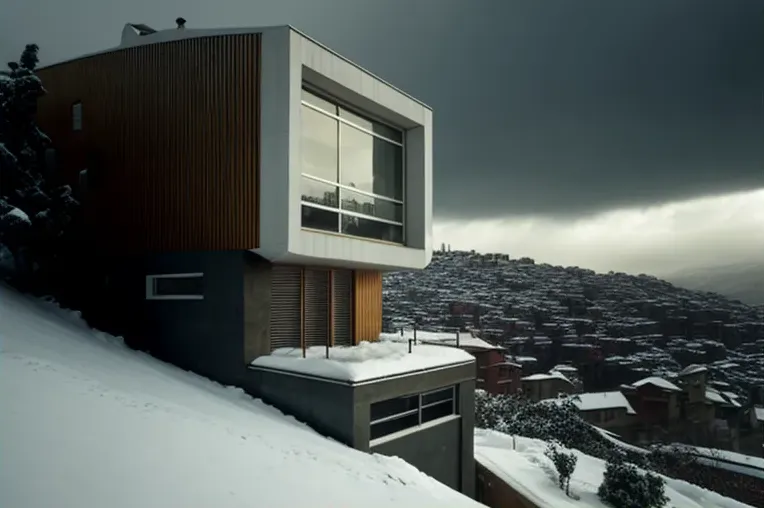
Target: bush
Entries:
(564, 463)
(557, 420)
(624, 486)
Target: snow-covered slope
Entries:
(86, 422)
(522, 464)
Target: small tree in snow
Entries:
(624, 486)
(564, 463)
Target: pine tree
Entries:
(34, 213)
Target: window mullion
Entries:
(339, 176)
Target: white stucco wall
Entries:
(288, 58)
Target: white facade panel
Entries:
(288, 60)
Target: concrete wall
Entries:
(494, 492)
(326, 406)
(342, 411)
(462, 448)
(434, 450)
(288, 59)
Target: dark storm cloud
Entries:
(542, 106)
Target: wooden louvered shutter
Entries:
(285, 307)
(316, 316)
(342, 304)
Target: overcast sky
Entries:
(553, 118)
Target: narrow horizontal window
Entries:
(175, 286)
(390, 407)
(394, 415)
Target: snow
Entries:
(659, 382)
(724, 459)
(693, 369)
(364, 362)
(18, 214)
(86, 422)
(441, 338)
(521, 463)
(546, 377)
(603, 400)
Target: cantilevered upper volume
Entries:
(255, 139)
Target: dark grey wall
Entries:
(434, 450)
(327, 407)
(204, 336)
(257, 307)
(342, 411)
(462, 451)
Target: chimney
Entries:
(181, 23)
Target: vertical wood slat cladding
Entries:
(367, 306)
(342, 307)
(317, 314)
(170, 140)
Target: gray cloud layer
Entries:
(549, 107)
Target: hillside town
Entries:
(649, 361)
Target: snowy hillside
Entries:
(522, 464)
(86, 422)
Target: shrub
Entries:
(564, 463)
(624, 486)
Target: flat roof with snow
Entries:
(603, 400)
(366, 362)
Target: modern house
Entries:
(243, 191)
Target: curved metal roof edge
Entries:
(173, 34)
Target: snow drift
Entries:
(87, 422)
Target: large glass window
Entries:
(352, 172)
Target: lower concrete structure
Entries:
(426, 418)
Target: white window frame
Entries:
(77, 116)
(339, 186)
(150, 286)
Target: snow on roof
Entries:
(522, 464)
(725, 459)
(108, 426)
(659, 382)
(692, 369)
(546, 377)
(565, 368)
(441, 338)
(603, 400)
(364, 362)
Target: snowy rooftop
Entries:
(693, 369)
(521, 463)
(659, 382)
(107, 426)
(603, 400)
(365, 362)
(546, 377)
(443, 338)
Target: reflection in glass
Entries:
(318, 102)
(368, 228)
(319, 192)
(370, 164)
(367, 205)
(319, 144)
(316, 218)
(371, 126)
